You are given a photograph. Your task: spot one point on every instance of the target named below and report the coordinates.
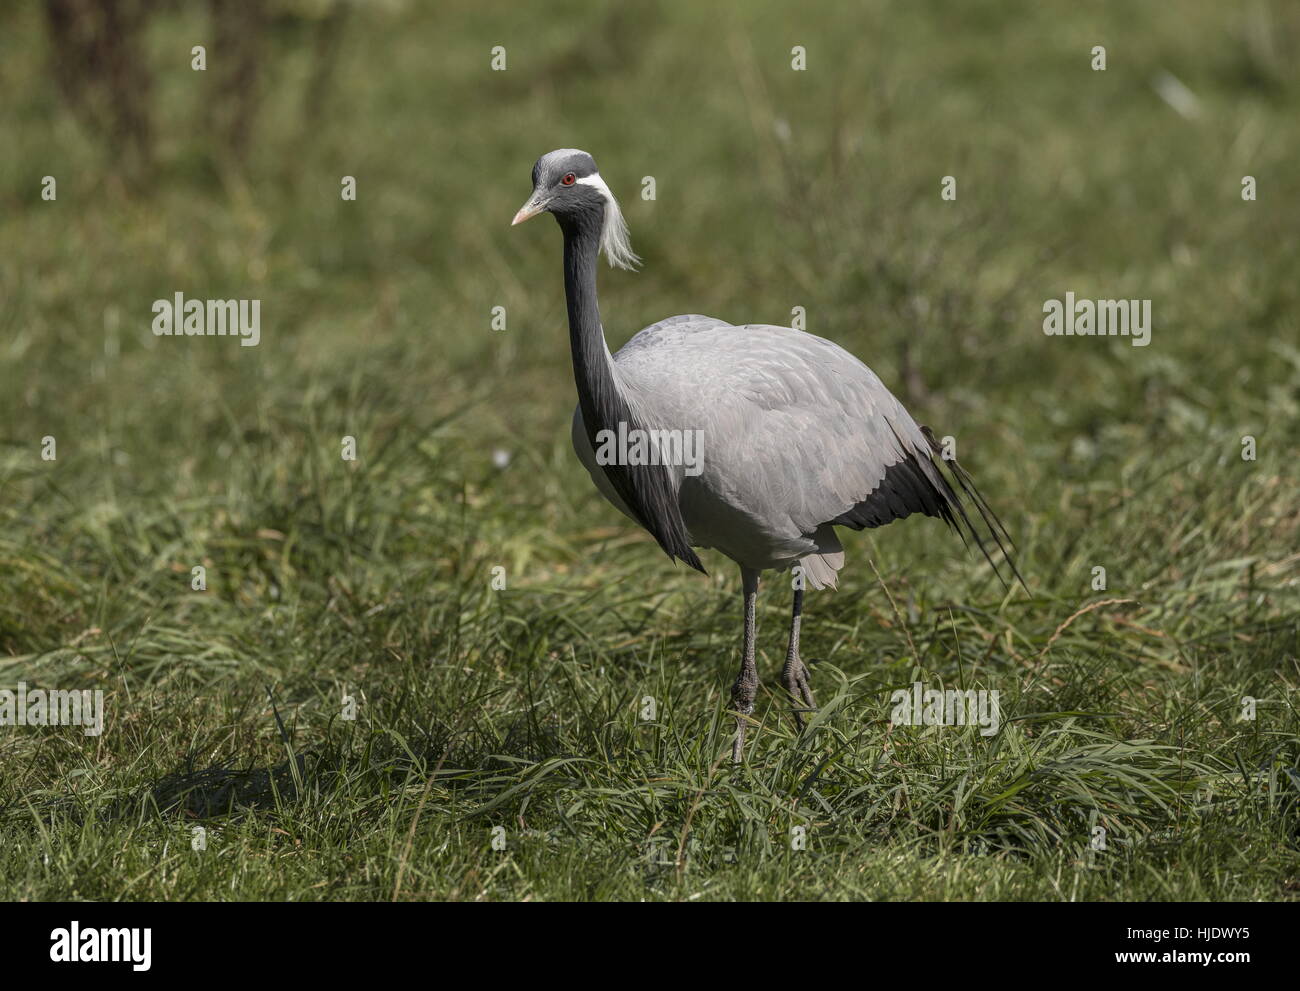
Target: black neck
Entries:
(598, 394)
(646, 490)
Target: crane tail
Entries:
(686, 556)
(958, 518)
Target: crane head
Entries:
(567, 184)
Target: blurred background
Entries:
(774, 188)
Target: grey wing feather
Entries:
(798, 432)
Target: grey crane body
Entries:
(796, 436)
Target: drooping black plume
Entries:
(992, 524)
(918, 485)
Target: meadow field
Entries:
(353, 709)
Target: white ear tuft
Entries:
(614, 239)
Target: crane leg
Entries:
(742, 692)
(795, 673)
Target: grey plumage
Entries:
(798, 435)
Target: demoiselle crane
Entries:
(756, 441)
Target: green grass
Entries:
(521, 709)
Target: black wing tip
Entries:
(957, 517)
(693, 560)
(679, 550)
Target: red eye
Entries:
(569, 179)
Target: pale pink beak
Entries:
(530, 209)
